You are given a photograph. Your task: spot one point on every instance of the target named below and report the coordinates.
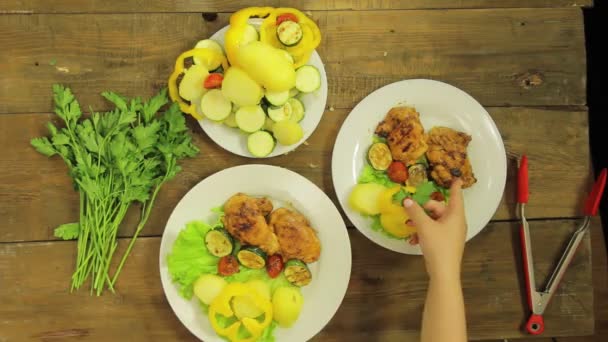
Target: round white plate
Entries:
(331, 273)
(439, 104)
(231, 139)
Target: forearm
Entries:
(443, 318)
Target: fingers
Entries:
(436, 209)
(416, 213)
(456, 202)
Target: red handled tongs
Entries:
(538, 300)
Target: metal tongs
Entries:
(538, 300)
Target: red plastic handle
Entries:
(593, 201)
(522, 180)
(535, 325)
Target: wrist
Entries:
(446, 276)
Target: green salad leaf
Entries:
(424, 191)
(371, 175)
(400, 196)
(189, 259)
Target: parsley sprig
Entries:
(115, 159)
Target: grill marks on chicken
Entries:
(445, 148)
(296, 238)
(404, 134)
(447, 156)
(287, 232)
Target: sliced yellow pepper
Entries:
(238, 22)
(208, 57)
(222, 305)
(311, 35)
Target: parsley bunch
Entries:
(115, 158)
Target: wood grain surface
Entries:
(512, 57)
(524, 60)
(101, 6)
(384, 299)
(31, 183)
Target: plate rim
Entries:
(165, 283)
(367, 231)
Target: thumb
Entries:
(416, 213)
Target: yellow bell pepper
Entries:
(311, 35)
(221, 305)
(236, 31)
(208, 57)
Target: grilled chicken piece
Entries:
(404, 133)
(447, 156)
(244, 219)
(297, 240)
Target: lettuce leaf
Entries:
(189, 258)
(371, 175)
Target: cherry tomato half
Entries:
(286, 17)
(274, 265)
(228, 265)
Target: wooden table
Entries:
(524, 60)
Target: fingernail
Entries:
(407, 202)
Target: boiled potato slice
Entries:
(244, 306)
(208, 286)
(286, 305)
(241, 89)
(385, 200)
(393, 223)
(364, 198)
(191, 86)
(260, 287)
(267, 65)
(287, 132)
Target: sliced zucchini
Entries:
(287, 132)
(230, 121)
(379, 156)
(250, 118)
(219, 242)
(277, 98)
(260, 143)
(268, 125)
(293, 92)
(280, 113)
(416, 175)
(297, 109)
(289, 33)
(250, 34)
(215, 106)
(297, 272)
(308, 79)
(207, 44)
(252, 257)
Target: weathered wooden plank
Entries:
(600, 289)
(100, 6)
(501, 57)
(36, 194)
(384, 300)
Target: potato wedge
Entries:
(365, 198)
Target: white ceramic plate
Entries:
(439, 104)
(331, 273)
(233, 140)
